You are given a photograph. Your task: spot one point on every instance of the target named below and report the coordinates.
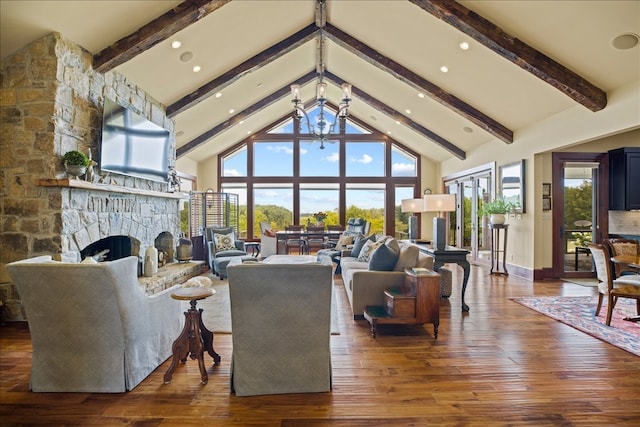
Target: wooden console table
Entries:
(415, 303)
(453, 255)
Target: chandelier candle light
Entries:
(439, 203)
(413, 206)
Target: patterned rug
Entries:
(579, 312)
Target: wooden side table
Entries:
(415, 303)
(195, 338)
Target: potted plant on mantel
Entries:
(497, 209)
(75, 163)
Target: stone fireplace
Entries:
(51, 103)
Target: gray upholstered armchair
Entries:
(281, 321)
(222, 242)
(92, 327)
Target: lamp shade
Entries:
(439, 203)
(412, 205)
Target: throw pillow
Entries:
(407, 258)
(345, 240)
(383, 259)
(367, 250)
(224, 242)
(358, 243)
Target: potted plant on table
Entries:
(320, 217)
(75, 163)
(497, 209)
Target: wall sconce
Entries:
(413, 206)
(439, 203)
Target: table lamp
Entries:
(439, 203)
(413, 206)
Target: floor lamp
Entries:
(413, 206)
(439, 203)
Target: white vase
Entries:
(151, 262)
(497, 218)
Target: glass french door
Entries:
(467, 229)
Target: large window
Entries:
(284, 177)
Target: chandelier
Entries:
(322, 128)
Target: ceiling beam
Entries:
(242, 115)
(154, 32)
(407, 76)
(526, 57)
(261, 59)
(399, 117)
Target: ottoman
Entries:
(220, 264)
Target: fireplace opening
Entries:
(116, 247)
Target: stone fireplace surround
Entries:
(52, 103)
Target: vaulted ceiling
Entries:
(526, 61)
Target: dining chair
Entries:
(314, 238)
(620, 246)
(294, 239)
(623, 287)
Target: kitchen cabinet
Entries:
(624, 179)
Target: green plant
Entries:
(75, 158)
(497, 206)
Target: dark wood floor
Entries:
(499, 365)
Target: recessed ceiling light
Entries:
(389, 132)
(407, 111)
(241, 122)
(397, 122)
(231, 111)
(444, 69)
(464, 45)
(625, 41)
(259, 85)
(197, 68)
(218, 94)
(180, 133)
(420, 95)
(186, 56)
(175, 44)
(248, 132)
(372, 117)
(467, 129)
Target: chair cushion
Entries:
(224, 242)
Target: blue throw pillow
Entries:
(359, 243)
(384, 258)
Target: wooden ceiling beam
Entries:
(526, 57)
(261, 59)
(242, 115)
(154, 32)
(407, 76)
(401, 118)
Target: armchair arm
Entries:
(239, 245)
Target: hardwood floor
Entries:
(501, 364)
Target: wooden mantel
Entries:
(84, 185)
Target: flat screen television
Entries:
(132, 145)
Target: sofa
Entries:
(93, 329)
(365, 282)
(281, 321)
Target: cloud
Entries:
(333, 157)
(232, 172)
(280, 149)
(403, 169)
(303, 151)
(365, 159)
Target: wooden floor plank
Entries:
(499, 364)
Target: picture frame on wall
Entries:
(546, 203)
(546, 189)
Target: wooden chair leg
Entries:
(612, 304)
(599, 304)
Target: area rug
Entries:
(216, 314)
(588, 282)
(579, 312)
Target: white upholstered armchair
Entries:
(268, 243)
(281, 321)
(92, 327)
